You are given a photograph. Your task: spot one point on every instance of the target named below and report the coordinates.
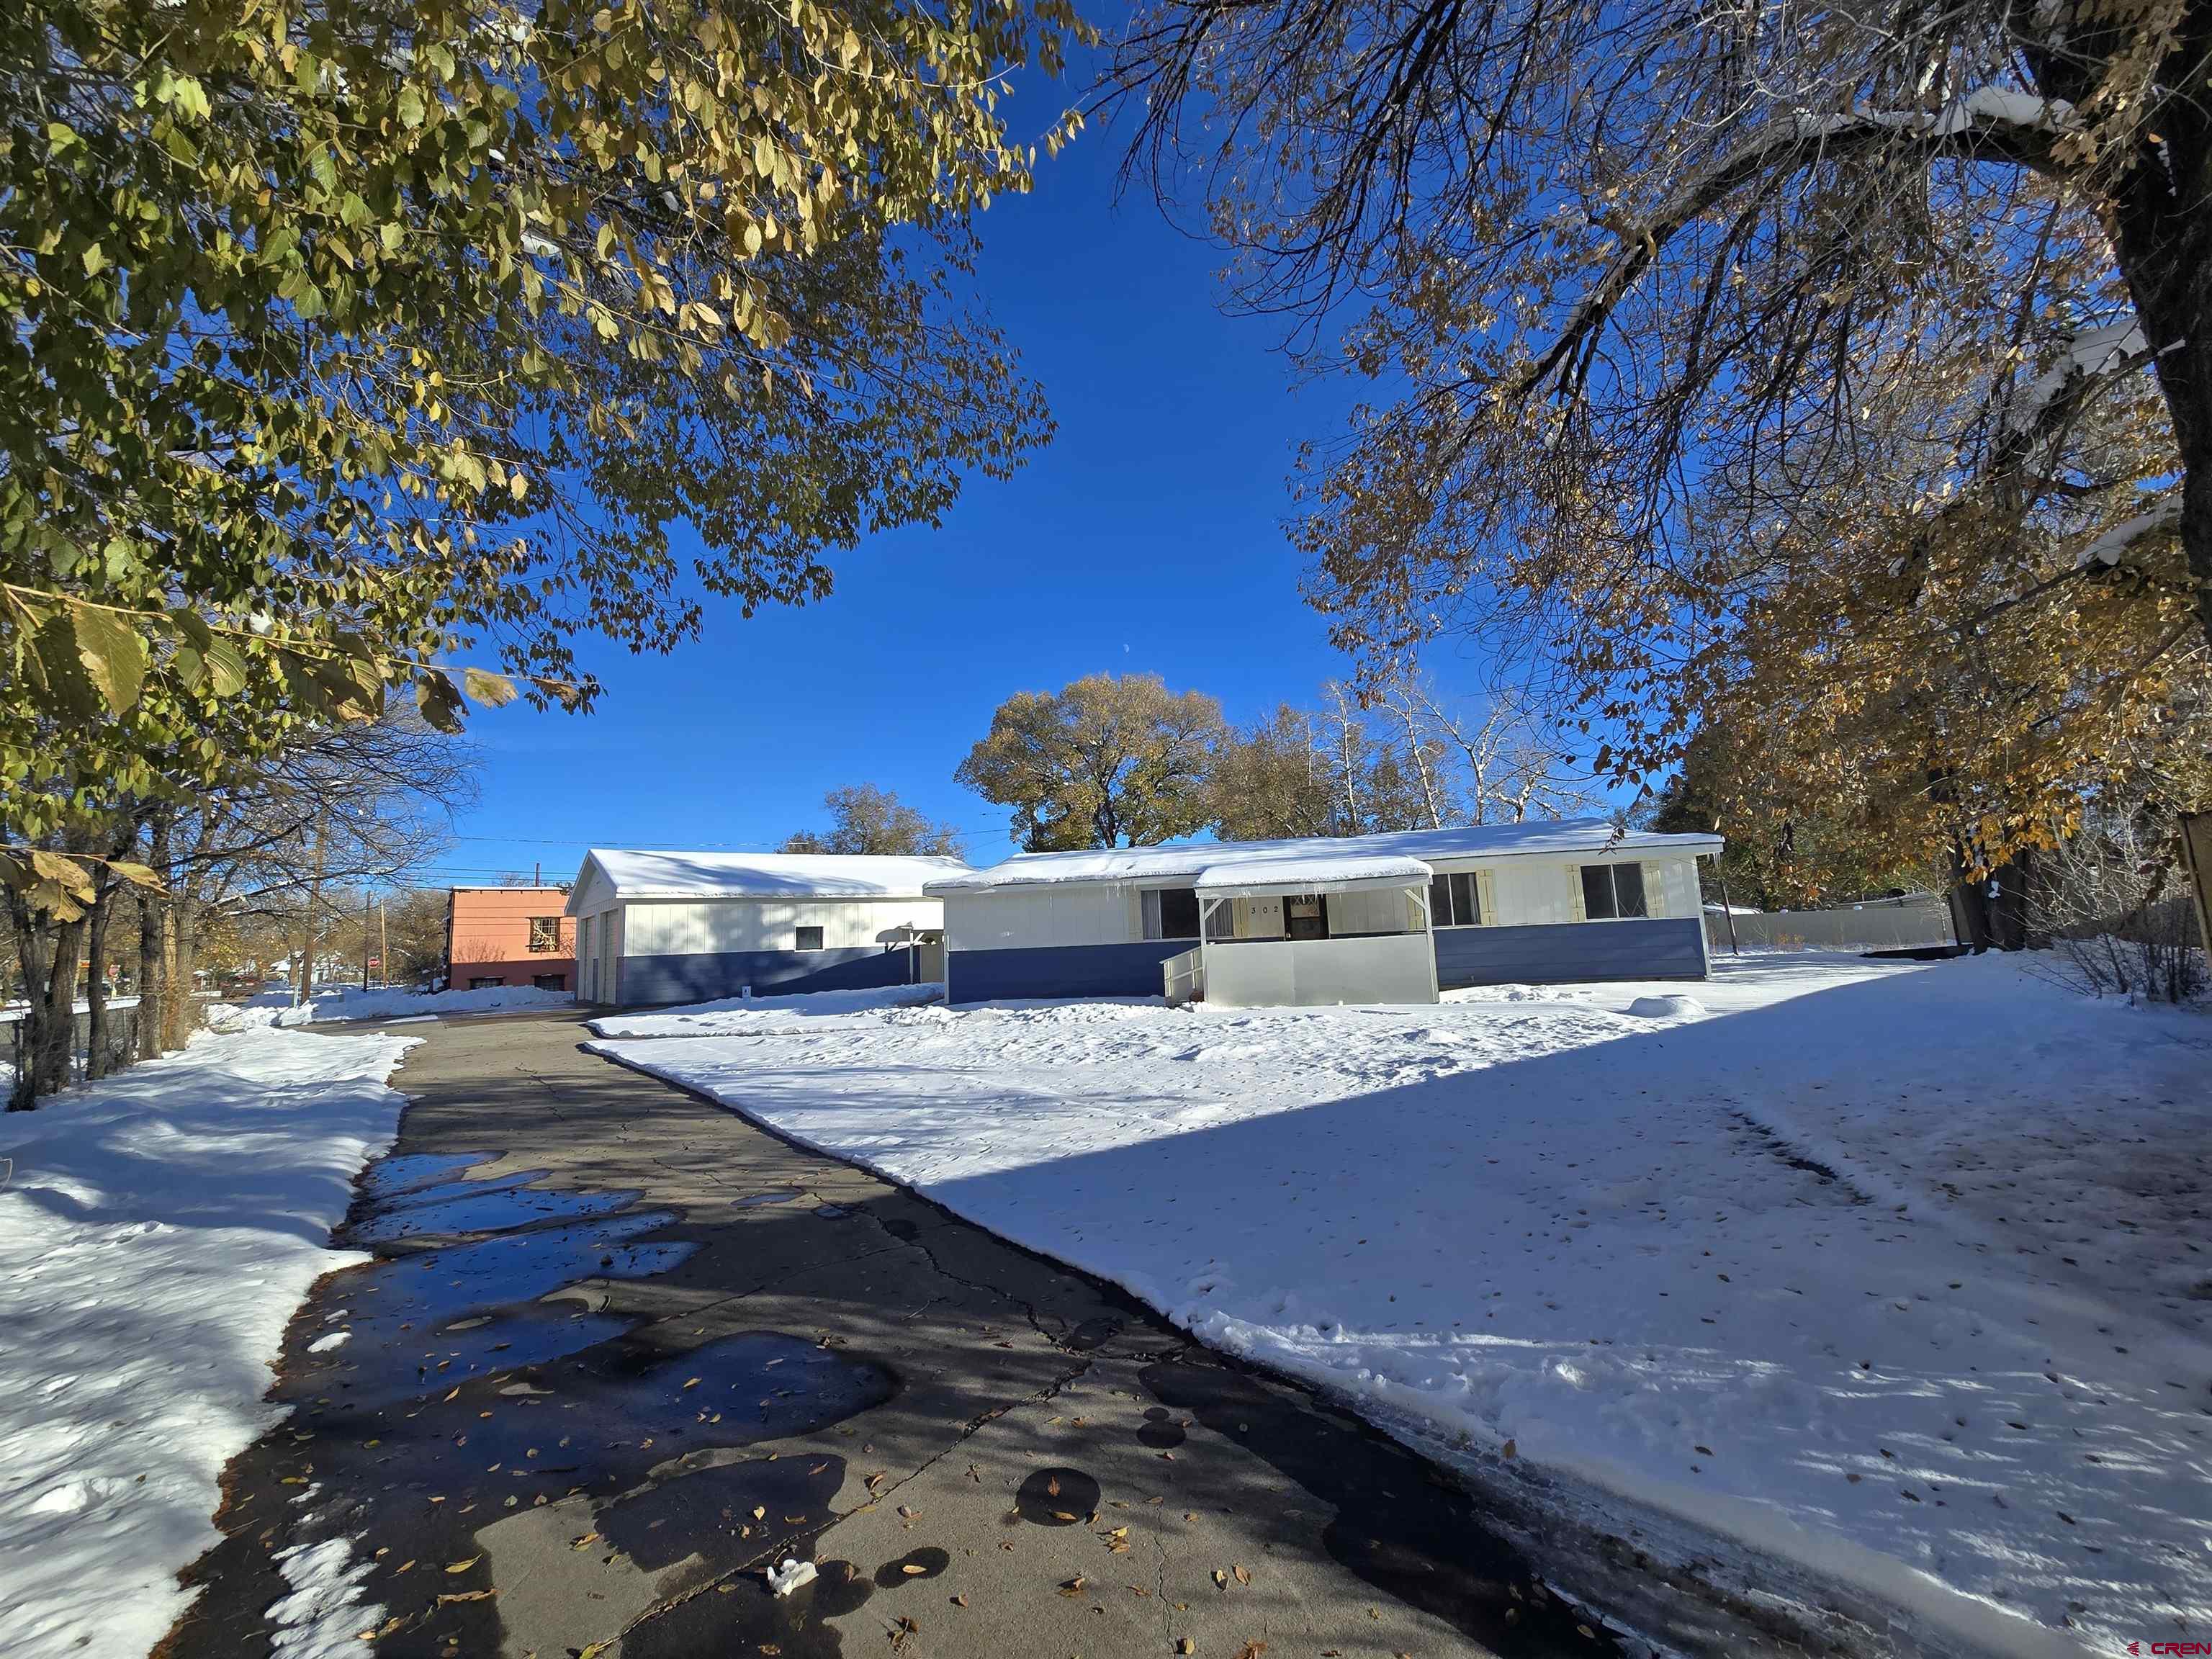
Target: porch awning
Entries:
(1310, 872)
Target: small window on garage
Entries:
(550, 982)
(544, 934)
(1456, 899)
(486, 982)
(1613, 891)
(810, 938)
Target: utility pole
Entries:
(365, 903)
(383, 941)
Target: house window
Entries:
(544, 934)
(550, 982)
(1456, 899)
(1612, 892)
(1170, 913)
(810, 938)
(486, 982)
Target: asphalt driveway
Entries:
(621, 1351)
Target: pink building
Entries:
(509, 936)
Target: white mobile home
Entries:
(660, 927)
(1384, 918)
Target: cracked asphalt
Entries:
(621, 1351)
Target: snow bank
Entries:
(350, 1002)
(1897, 1270)
(765, 1016)
(159, 1229)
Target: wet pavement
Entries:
(619, 1352)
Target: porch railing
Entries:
(1184, 977)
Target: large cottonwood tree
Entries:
(1666, 298)
(341, 337)
(1109, 760)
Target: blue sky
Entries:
(1147, 536)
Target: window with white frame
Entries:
(1170, 912)
(1456, 899)
(1612, 892)
(544, 934)
(810, 938)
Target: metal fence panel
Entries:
(1916, 921)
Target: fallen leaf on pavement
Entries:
(1244, 1576)
(462, 1566)
(1073, 1586)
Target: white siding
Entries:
(1519, 892)
(706, 926)
(1537, 892)
(1014, 919)
(1679, 881)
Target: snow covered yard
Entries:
(159, 1228)
(350, 1002)
(1902, 1272)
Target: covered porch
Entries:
(1308, 930)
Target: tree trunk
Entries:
(34, 948)
(1970, 905)
(179, 946)
(305, 979)
(2162, 238)
(153, 953)
(96, 918)
(2008, 905)
(56, 1009)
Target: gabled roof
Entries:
(1184, 861)
(655, 875)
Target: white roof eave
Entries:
(1317, 876)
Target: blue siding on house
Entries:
(1658, 949)
(709, 974)
(1061, 971)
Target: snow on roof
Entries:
(1313, 873)
(1184, 861)
(634, 875)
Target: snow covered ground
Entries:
(350, 1002)
(769, 1016)
(1902, 1272)
(159, 1228)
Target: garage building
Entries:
(665, 928)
